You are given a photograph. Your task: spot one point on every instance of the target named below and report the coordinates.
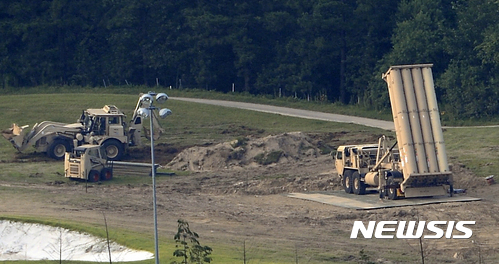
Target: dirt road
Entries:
(386, 125)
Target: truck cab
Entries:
(105, 126)
(355, 157)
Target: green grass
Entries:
(199, 124)
(199, 93)
(229, 252)
(475, 148)
(195, 124)
(315, 105)
(124, 237)
(190, 124)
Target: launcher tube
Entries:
(406, 144)
(438, 135)
(424, 118)
(414, 121)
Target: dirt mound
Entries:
(464, 178)
(247, 152)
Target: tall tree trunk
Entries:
(246, 79)
(343, 62)
(62, 48)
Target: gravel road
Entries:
(386, 125)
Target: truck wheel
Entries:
(382, 193)
(391, 192)
(114, 149)
(347, 181)
(93, 176)
(359, 187)
(58, 148)
(106, 174)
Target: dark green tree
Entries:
(332, 50)
(279, 23)
(332, 22)
(422, 27)
(81, 41)
(27, 43)
(370, 40)
(188, 247)
(470, 82)
(247, 37)
(419, 36)
(208, 46)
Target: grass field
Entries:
(476, 148)
(197, 124)
(191, 124)
(196, 93)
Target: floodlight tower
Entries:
(146, 110)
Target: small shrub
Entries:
(188, 247)
(268, 158)
(239, 142)
(364, 258)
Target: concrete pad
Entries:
(372, 201)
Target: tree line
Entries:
(332, 50)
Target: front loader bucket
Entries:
(15, 135)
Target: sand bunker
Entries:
(25, 241)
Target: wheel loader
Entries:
(416, 164)
(104, 126)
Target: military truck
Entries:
(88, 162)
(104, 126)
(369, 165)
(418, 166)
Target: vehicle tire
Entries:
(347, 181)
(382, 194)
(58, 149)
(114, 149)
(358, 186)
(106, 174)
(93, 176)
(391, 192)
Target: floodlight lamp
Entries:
(161, 98)
(164, 112)
(146, 100)
(143, 112)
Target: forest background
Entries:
(326, 50)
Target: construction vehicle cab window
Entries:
(88, 162)
(416, 164)
(103, 126)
